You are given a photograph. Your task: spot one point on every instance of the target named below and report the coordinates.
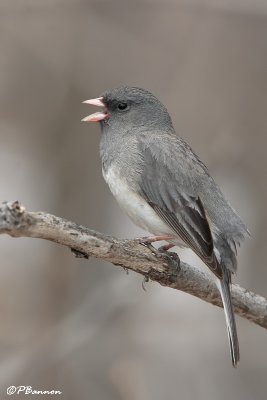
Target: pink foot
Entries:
(166, 247)
(152, 239)
(173, 258)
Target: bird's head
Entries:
(130, 108)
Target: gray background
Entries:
(86, 327)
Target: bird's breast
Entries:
(137, 209)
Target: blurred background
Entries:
(82, 326)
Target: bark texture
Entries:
(17, 222)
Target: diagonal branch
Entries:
(17, 222)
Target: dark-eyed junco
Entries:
(165, 189)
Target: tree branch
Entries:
(17, 222)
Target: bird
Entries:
(165, 188)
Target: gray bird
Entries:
(164, 187)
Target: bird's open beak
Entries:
(98, 116)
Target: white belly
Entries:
(134, 205)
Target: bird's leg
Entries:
(146, 241)
(162, 251)
(165, 248)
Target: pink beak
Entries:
(98, 116)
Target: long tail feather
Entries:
(224, 287)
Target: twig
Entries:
(130, 254)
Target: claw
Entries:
(173, 258)
(151, 239)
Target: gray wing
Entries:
(169, 186)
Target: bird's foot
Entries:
(148, 240)
(172, 258)
(144, 242)
(162, 252)
(165, 247)
(151, 239)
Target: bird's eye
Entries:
(122, 106)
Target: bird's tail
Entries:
(224, 288)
